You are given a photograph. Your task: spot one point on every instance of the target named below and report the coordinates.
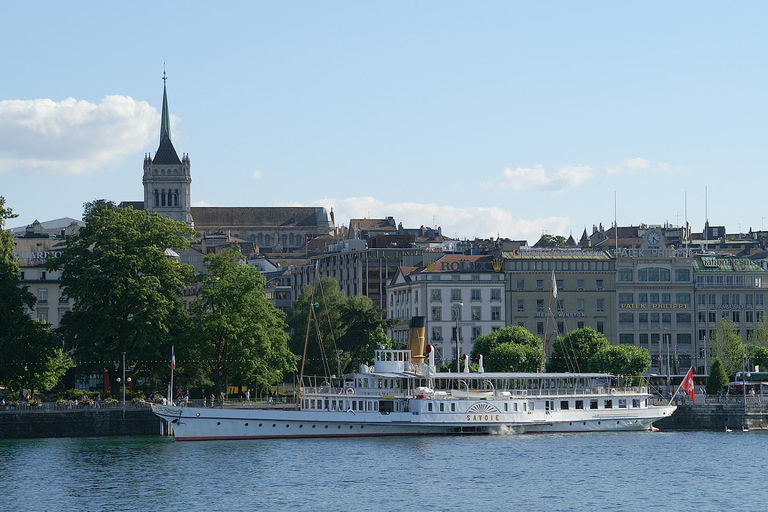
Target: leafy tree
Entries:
(625, 360)
(574, 351)
(726, 345)
(717, 377)
(31, 355)
(553, 241)
(240, 335)
(758, 355)
(759, 335)
(512, 349)
(126, 292)
(343, 332)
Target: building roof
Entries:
(249, 216)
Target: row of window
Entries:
(476, 314)
(654, 274)
(728, 281)
(559, 265)
(736, 317)
(475, 332)
(475, 294)
(644, 319)
(166, 198)
(647, 340)
(654, 298)
(730, 299)
(599, 285)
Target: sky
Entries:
(487, 119)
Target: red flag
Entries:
(173, 356)
(687, 384)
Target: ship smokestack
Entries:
(416, 334)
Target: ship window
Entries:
(442, 407)
(635, 403)
(360, 405)
(327, 404)
(579, 404)
(354, 405)
(515, 407)
(506, 407)
(429, 406)
(622, 403)
(564, 405)
(609, 404)
(593, 404)
(453, 407)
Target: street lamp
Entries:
(123, 381)
(457, 311)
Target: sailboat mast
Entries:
(310, 312)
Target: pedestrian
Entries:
(247, 395)
(213, 399)
(97, 402)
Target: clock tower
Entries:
(166, 177)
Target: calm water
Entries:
(697, 471)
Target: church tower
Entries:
(166, 178)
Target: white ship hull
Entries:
(200, 424)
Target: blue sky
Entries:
(483, 118)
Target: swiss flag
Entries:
(687, 384)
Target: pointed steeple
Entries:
(165, 123)
(166, 153)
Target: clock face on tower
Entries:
(653, 238)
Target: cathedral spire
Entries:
(165, 123)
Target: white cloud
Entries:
(462, 222)
(257, 175)
(73, 137)
(524, 178)
(641, 165)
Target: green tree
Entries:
(511, 349)
(624, 360)
(343, 333)
(759, 335)
(727, 346)
(240, 335)
(553, 241)
(126, 292)
(32, 357)
(574, 351)
(717, 377)
(758, 356)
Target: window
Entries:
(539, 328)
(495, 313)
(437, 333)
(654, 298)
(626, 320)
(666, 298)
(735, 299)
(455, 314)
(683, 298)
(560, 285)
(759, 299)
(653, 274)
(725, 299)
(495, 294)
(711, 299)
(564, 405)
(580, 284)
(682, 275)
(437, 314)
(599, 284)
(600, 304)
(521, 285)
(609, 404)
(579, 304)
(625, 274)
(42, 296)
(683, 338)
(735, 317)
(456, 295)
(540, 285)
(642, 319)
(702, 299)
(683, 318)
(539, 304)
(579, 325)
(521, 305)
(625, 298)
(476, 331)
(643, 339)
(666, 319)
(712, 317)
(626, 339)
(600, 327)
(476, 315)
(560, 328)
(642, 298)
(42, 316)
(749, 316)
(474, 294)
(436, 294)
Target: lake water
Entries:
(697, 471)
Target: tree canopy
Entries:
(717, 377)
(240, 336)
(574, 351)
(343, 332)
(726, 345)
(126, 291)
(511, 349)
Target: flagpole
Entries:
(688, 375)
(173, 362)
(546, 321)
